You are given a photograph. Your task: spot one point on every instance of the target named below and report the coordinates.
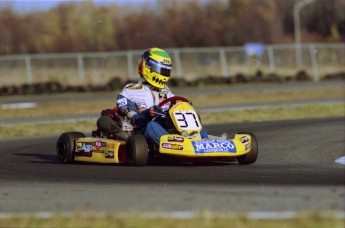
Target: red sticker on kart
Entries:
(99, 144)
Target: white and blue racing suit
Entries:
(136, 100)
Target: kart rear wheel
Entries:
(250, 157)
(137, 150)
(65, 146)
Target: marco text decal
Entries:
(211, 146)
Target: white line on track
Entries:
(340, 160)
(22, 105)
(186, 214)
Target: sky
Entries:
(26, 6)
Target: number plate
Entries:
(187, 120)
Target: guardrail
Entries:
(318, 60)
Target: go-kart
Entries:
(183, 142)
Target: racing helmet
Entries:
(155, 67)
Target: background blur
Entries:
(91, 42)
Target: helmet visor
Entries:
(158, 67)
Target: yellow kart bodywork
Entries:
(100, 150)
(179, 146)
(189, 144)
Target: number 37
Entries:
(187, 120)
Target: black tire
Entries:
(250, 157)
(137, 150)
(65, 146)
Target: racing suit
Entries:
(136, 100)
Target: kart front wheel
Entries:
(65, 146)
(137, 150)
(250, 157)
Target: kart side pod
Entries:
(243, 147)
(75, 146)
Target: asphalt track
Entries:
(295, 171)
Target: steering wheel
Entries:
(172, 99)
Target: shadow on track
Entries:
(41, 158)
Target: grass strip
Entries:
(78, 219)
(303, 112)
(67, 107)
(266, 96)
(279, 113)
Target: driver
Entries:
(139, 102)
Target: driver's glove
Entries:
(156, 111)
(140, 119)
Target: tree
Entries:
(83, 26)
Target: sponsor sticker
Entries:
(84, 149)
(79, 145)
(175, 139)
(110, 146)
(172, 146)
(109, 154)
(247, 146)
(122, 102)
(141, 105)
(211, 146)
(99, 144)
(244, 139)
(161, 65)
(136, 87)
(163, 94)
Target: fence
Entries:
(190, 63)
